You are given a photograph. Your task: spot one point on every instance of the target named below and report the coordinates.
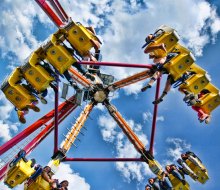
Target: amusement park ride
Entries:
(68, 48)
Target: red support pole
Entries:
(56, 111)
(116, 64)
(154, 117)
(42, 135)
(61, 10)
(19, 137)
(103, 160)
(46, 8)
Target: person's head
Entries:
(179, 161)
(64, 183)
(184, 156)
(151, 180)
(147, 187)
(47, 169)
(168, 168)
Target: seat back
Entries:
(81, 38)
(39, 184)
(35, 74)
(16, 93)
(179, 64)
(58, 56)
(177, 184)
(18, 173)
(168, 36)
(202, 176)
(196, 83)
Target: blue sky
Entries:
(123, 26)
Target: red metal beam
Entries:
(154, 117)
(116, 64)
(53, 16)
(42, 135)
(103, 160)
(56, 111)
(59, 10)
(19, 137)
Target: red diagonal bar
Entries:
(19, 137)
(154, 117)
(116, 64)
(103, 160)
(46, 8)
(60, 9)
(42, 135)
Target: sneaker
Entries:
(207, 120)
(145, 88)
(33, 107)
(157, 101)
(43, 100)
(21, 116)
(188, 97)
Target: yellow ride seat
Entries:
(209, 102)
(35, 74)
(202, 175)
(195, 83)
(177, 184)
(58, 55)
(81, 38)
(17, 94)
(179, 64)
(39, 184)
(197, 69)
(166, 35)
(156, 168)
(19, 173)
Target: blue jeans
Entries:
(166, 184)
(177, 175)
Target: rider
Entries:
(172, 169)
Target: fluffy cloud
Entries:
(148, 117)
(124, 149)
(176, 147)
(64, 173)
(75, 181)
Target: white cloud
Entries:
(75, 180)
(148, 117)
(64, 173)
(124, 149)
(177, 146)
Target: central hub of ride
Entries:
(100, 96)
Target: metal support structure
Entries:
(116, 64)
(50, 12)
(154, 117)
(56, 104)
(67, 109)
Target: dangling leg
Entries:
(21, 114)
(33, 106)
(167, 88)
(156, 75)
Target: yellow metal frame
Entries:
(179, 64)
(19, 173)
(169, 37)
(195, 83)
(58, 55)
(39, 184)
(177, 184)
(35, 74)
(17, 94)
(80, 37)
(156, 168)
(202, 176)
